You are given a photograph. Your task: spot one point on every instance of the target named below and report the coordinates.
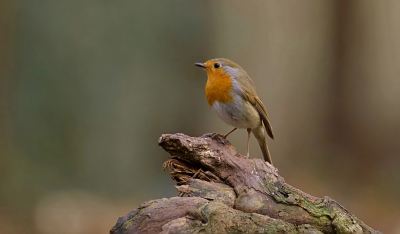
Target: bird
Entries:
(231, 94)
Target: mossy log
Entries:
(221, 191)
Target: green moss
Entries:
(128, 224)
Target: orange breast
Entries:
(218, 88)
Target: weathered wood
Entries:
(228, 193)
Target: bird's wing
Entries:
(263, 114)
(256, 102)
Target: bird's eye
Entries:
(217, 65)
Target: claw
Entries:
(218, 135)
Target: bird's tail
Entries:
(260, 135)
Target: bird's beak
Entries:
(200, 65)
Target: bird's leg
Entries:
(226, 135)
(248, 142)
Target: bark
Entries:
(228, 193)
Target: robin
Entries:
(232, 96)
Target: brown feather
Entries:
(264, 116)
(257, 103)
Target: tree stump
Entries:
(221, 191)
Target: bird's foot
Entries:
(226, 135)
(218, 135)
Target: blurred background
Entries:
(88, 87)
